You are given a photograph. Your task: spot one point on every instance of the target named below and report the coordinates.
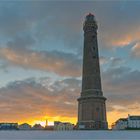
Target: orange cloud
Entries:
(33, 102)
(126, 40)
(121, 37)
(59, 63)
(28, 101)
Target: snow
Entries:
(69, 135)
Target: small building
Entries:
(133, 122)
(63, 125)
(130, 123)
(120, 124)
(37, 127)
(24, 126)
(8, 126)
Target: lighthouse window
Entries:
(93, 55)
(93, 36)
(93, 49)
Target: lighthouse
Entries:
(91, 104)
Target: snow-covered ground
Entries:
(69, 135)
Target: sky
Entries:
(41, 51)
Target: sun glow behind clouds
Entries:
(43, 123)
(62, 119)
(49, 121)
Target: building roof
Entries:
(134, 117)
(24, 124)
(121, 119)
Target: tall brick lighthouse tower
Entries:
(91, 104)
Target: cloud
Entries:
(116, 61)
(121, 85)
(64, 64)
(136, 50)
(36, 98)
(47, 22)
(21, 42)
(22, 48)
(119, 26)
(111, 61)
(122, 37)
(44, 21)
(29, 99)
(103, 60)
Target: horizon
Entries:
(41, 52)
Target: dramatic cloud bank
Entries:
(41, 97)
(37, 98)
(63, 64)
